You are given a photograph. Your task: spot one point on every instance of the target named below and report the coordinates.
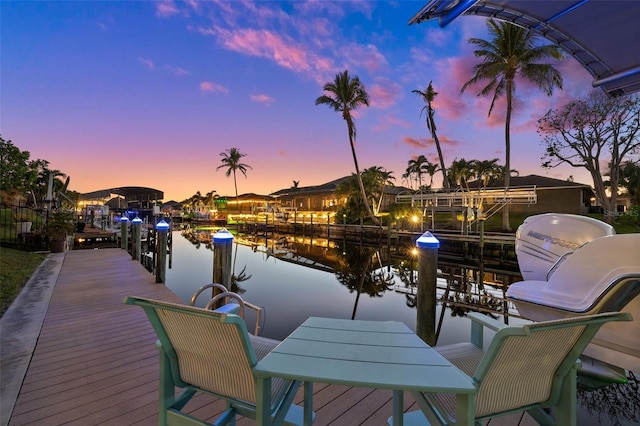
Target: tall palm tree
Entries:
(231, 160)
(512, 51)
(343, 95)
(428, 96)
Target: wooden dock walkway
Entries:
(91, 360)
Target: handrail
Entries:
(227, 295)
(203, 288)
(259, 310)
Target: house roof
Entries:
(328, 187)
(325, 187)
(601, 35)
(540, 182)
(130, 193)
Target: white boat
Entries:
(573, 266)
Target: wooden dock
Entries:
(92, 360)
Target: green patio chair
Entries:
(528, 368)
(212, 353)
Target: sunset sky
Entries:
(149, 93)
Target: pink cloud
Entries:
(207, 86)
(422, 54)
(166, 8)
(266, 44)
(415, 143)
(176, 71)
(384, 93)
(263, 99)
(367, 56)
(147, 62)
(445, 141)
(389, 121)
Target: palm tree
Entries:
(513, 51)
(415, 167)
(430, 168)
(461, 171)
(231, 160)
(346, 94)
(375, 179)
(428, 96)
(487, 171)
(209, 201)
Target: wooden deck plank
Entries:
(95, 362)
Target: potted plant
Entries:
(60, 224)
(24, 219)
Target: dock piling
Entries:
(427, 246)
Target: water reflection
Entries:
(361, 271)
(297, 277)
(617, 404)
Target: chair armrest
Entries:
(478, 322)
(486, 321)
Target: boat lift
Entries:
(471, 201)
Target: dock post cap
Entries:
(427, 240)
(136, 220)
(222, 236)
(162, 225)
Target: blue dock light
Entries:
(124, 219)
(162, 225)
(136, 220)
(427, 240)
(222, 236)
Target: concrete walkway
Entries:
(20, 328)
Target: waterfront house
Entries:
(323, 197)
(553, 195)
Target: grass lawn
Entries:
(16, 267)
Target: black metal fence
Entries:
(21, 227)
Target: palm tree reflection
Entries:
(361, 271)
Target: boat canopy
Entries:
(601, 35)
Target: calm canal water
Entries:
(295, 278)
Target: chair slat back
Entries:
(524, 369)
(526, 365)
(209, 350)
